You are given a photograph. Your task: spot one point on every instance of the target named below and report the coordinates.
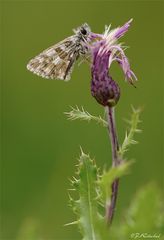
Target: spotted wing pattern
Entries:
(57, 61)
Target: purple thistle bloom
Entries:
(105, 90)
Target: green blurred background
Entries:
(39, 146)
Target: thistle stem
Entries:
(111, 205)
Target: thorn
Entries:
(133, 142)
(133, 109)
(75, 179)
(70, 198)
(126, 135)
(71, 189)
(127, 121)
(72, 223)
(138, 130)
(81, 150)
(70, 180)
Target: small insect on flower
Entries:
(57, 61)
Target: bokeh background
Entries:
(40, 146)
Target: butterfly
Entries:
(57, 61)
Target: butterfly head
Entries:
(83, 31)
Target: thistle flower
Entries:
(107, 92)
(103, 88)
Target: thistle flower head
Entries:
(104, 52)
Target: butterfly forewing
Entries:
(57, 61)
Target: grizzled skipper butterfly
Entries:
(57, 61)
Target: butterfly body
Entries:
(57, 61)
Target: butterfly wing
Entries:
(57, 61)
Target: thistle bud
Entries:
(104, 52)
(103, 88)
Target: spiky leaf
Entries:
(92, 225)
(133, 128)
(82, 114)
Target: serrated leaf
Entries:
(92, 225)
(133, 122)
(82, 114)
